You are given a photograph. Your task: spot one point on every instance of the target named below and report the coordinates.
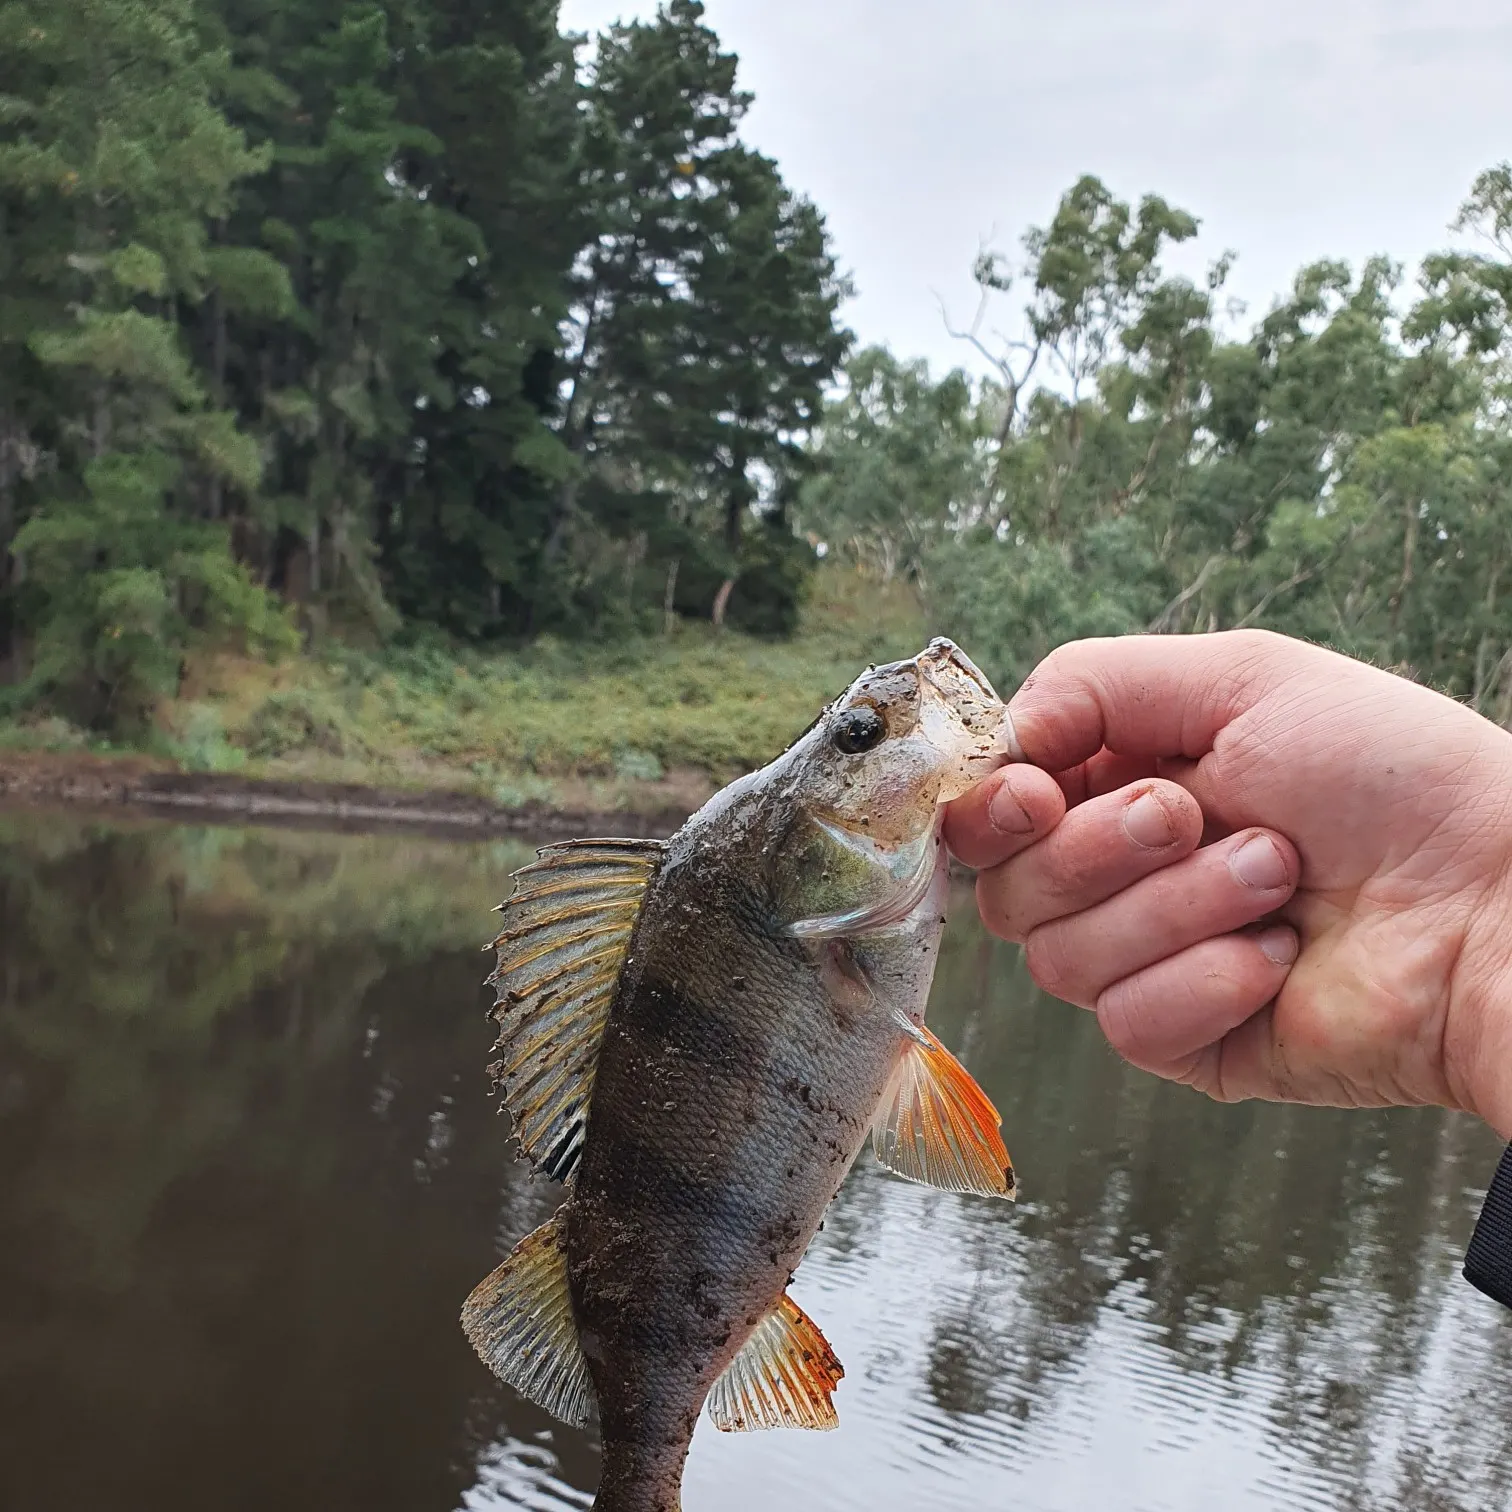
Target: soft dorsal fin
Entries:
(937, 1126)
(784, 1377)
(563, 945)
(519, 1319)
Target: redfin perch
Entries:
(697, 1037)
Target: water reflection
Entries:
(248, 1171)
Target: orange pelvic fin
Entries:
(937, 1126)
(783, 1378)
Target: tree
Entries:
(463, 545)
(895, 463)
(1338, 475)
(661, 101)
(115, 151)
(704, 317)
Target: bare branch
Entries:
(1302, 575)
(973, 334)
(1170, 615)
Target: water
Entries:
(248, 1171)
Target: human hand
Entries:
(1222, 806)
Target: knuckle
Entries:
(1259, 642)
(1062, 661)
(1260, 649)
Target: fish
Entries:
(696, 1037)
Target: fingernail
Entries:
(1007, 738)
(1280, 945)
(1257, 863)
(1148, 824)
(1007, 813)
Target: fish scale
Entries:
(697, 1037)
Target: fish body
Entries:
(756, 990)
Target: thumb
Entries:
(1143, 695)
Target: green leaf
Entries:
(251, 282)
(124, 344)
(139, 270)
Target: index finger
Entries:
(1003, 814)
(1142, 695)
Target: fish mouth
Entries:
(941, 657)
(941, 666)
(963, 715)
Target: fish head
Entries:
(870, 777)
(904, 739)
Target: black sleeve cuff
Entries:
(1488, 1262)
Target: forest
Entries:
(376, 334)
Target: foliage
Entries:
(127, 585)
(1340, 474)
(115, 162)
(393, 314)
(422, 328)
(896, 463)
(650, 720)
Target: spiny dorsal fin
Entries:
(937, 1126)
(784, 1377)
(565, 937)
(519, 1319)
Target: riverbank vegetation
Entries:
(390, 391)
(645, 723)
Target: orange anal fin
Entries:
(784, 1377)
(937, 1126)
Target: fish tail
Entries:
(641, 1477)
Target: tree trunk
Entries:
(669, 599)
(11, 445)
(722, 600)
(1502, 681)
(216, 501)
(1409, 553)
(738, 499)
(1001, 444)
(313, 545)
(10, 473)
(566, 504)
(1483, 648)
(1169, 618)
(100, 429)
(576, 429)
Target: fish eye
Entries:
(858, 730)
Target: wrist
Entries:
(1478, 1037)
(1478, 1031)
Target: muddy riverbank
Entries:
(114, 783)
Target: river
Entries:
(249, 1169)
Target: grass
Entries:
(655, 721)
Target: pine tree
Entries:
(116, 159)
(704, 317)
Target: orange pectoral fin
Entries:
(938, 1127)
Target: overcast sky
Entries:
(1294, 130)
